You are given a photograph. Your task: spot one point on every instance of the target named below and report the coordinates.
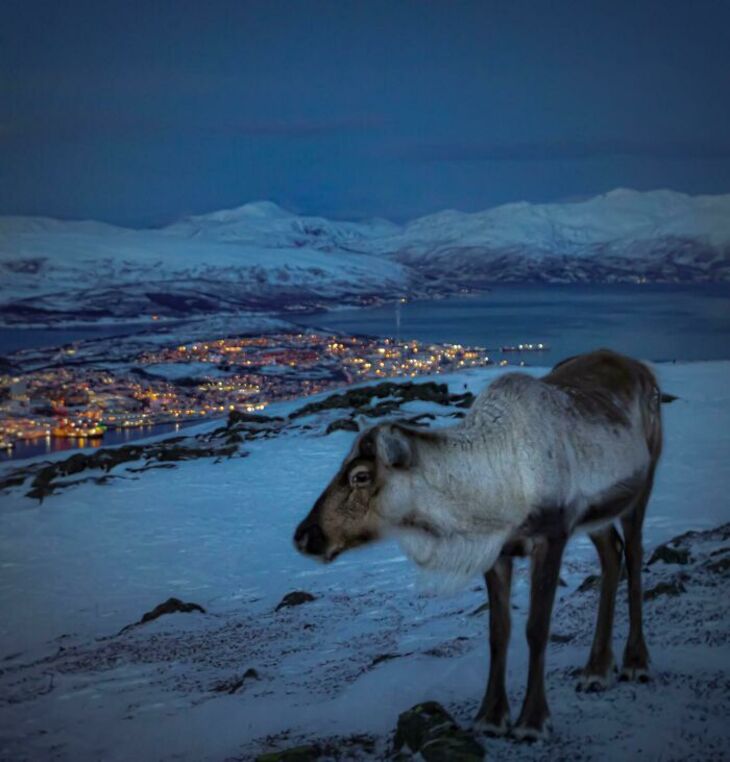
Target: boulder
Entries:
(670, 555)
(309, 753)
(674, 587)
(170, 606)
(429, 730)
(295, 598)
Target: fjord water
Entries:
(14, 339)
(652, 322)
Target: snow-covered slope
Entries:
(264, 257)
(622, 235)
(75, 270)
(264, 224)
(217, 531)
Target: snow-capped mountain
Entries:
(60, 271)
(264, 223)
(260, 256)
(623, 235)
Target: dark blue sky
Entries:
(140, 112)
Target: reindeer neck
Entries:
(464, 477)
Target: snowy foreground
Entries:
(336, 671)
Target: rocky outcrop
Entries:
(429, 730)
(296, 598)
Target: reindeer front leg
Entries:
(533, 722)
(493, 714)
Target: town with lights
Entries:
(73, 399)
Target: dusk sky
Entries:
(141, 112)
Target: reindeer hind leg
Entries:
(636, 654)
(597, 675)
(534, 720)
(493, 714)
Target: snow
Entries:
(72, 266)
(90, 560)
(622, 214)
(259, 254)
(265, 224)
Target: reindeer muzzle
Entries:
(310, 539)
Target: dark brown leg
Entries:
(598, 672)
(493, 714)
(636, 655)
(546, 557)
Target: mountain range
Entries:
(262, 257)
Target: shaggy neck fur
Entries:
(454, 508)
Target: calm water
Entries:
(13, 339)
(28, 449)
(650, 322)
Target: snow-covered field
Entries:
(78, 567)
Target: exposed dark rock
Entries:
(358, 746)
(170, 606)
(719, 566)
(236, 416)
(309, 753)
(480, 609)
(429, 730)
(720, 552)
(418, 420)
(448, 648)
(380, 658)
(14, 480)
(342, 424)
(457, 746)
(462, 400)
(75, 464)
(381, 409)
(235, 684)
(670, 555)
(361, 398)
(558, 637)
(422, 723)
(719, 533)
(180, 452)
(150, 467)
(295, 598)
(46, 478)
(591, 582)
(674, 587)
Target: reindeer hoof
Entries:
(532, 733)
(593, 683)
(635, 675)
(491, 728)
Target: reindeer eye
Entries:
(360, 477)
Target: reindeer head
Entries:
(348, 513)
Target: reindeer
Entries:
(534, 460)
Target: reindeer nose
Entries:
(310, 539)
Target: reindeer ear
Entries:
(394, 447)
(362, 422)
